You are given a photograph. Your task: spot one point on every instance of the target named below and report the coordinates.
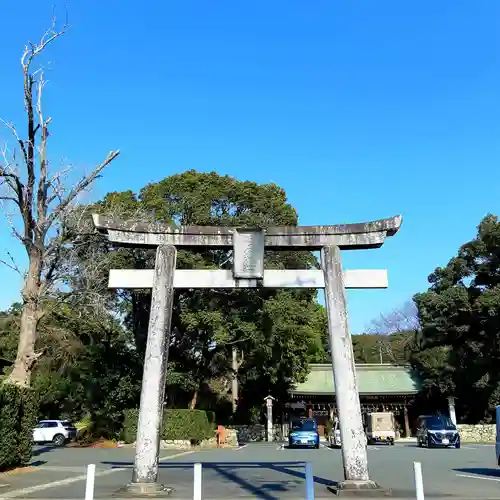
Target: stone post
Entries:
(354, 454)
(407, 422)
(269, 407)
(451, 408)
(145, 473)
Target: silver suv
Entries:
(437, 431)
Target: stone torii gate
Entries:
(248, 245)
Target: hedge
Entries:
(193, 425)
(18, 417)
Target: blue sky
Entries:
(359, 109)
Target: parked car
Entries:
(437, 431)
(381, 428)
(335, 438)
(304, 433)
(58, 432)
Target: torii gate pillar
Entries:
(354, 455)
(248, 246)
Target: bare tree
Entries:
(41, 204)
(401, 320)
(402, 325)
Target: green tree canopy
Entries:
(459, 346)
(276, 333)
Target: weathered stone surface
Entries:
(257, 432)
(155, 361)
(223, 278)
(345, 236)
(144, 490)
(354, 452)
(248, 253)
(481, 433)
(178, 444)
(185, 444)
(359, 489)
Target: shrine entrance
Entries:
(248, 246)
(381, 387)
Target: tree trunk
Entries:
(26, 356)
(234, 381)
(194, 400)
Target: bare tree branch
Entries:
(400, 320)
(9, 177)
(9, 198)
(81, 186)
(42, 203)
(12, 265)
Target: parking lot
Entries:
(258, 470)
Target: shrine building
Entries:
(382, 387)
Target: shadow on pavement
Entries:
(229, 470)
(298, 447)
(43, 449)
(480, 471)
(263, 491)
(38, 463)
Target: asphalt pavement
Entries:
(258, 470)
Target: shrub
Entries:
(193, 425)
(18, 416)
(187, 424)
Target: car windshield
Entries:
(440, 423)
(305, 425)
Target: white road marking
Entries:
(71, 480)
(470, 476)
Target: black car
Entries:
(437, 431)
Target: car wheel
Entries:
(316, 446)
(59, 440)
(457, 446)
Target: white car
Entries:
(58, 432)
(335, 439)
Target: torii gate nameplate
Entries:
(248, 245)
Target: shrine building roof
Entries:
(373, 379)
